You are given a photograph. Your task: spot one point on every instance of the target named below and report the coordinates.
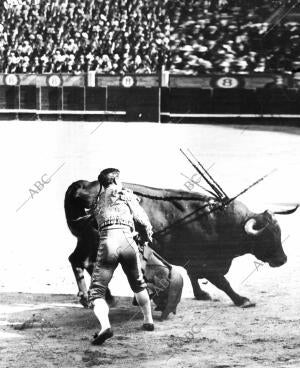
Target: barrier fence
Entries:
(149, 97)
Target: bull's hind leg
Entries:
(199, 294)
(222, 283)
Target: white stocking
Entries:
(101, 311)
(144, 302)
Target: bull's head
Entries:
(85, 197)
(265, 238)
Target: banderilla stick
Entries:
(216, 190)
(224, 195)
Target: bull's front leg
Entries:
(82, 289)
(222, 283)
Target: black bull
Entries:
(192, 230)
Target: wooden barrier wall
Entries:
(147, 98)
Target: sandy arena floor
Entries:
(41, 323)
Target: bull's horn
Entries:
(287, 212)
(249, 227)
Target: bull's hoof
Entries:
(248, 304)
(203, 296)
(85, 305)
(84, 301)
(245, 303)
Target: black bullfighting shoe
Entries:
(148, 326)
(100, 338)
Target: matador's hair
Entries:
(108, 176)
(105, 178)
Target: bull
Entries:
(164, 282)
(192, 230)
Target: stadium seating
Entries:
(141, 36)
(74, 36)
(233, 36)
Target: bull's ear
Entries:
(268, 216)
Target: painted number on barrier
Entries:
(127, 81)
(54, 81)
(11, 80)
(227, 82)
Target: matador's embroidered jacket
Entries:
(120, 208)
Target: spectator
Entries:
(74, 36)
(199, 36)
(239, 36)
(296, 79)
(278, 82)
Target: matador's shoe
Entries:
(148, 327)
(100, 338)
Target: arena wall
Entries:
(153, 98)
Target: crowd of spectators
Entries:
(142, 36)
(74, 36)
(236, 36)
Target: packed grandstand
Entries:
(144, 36)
